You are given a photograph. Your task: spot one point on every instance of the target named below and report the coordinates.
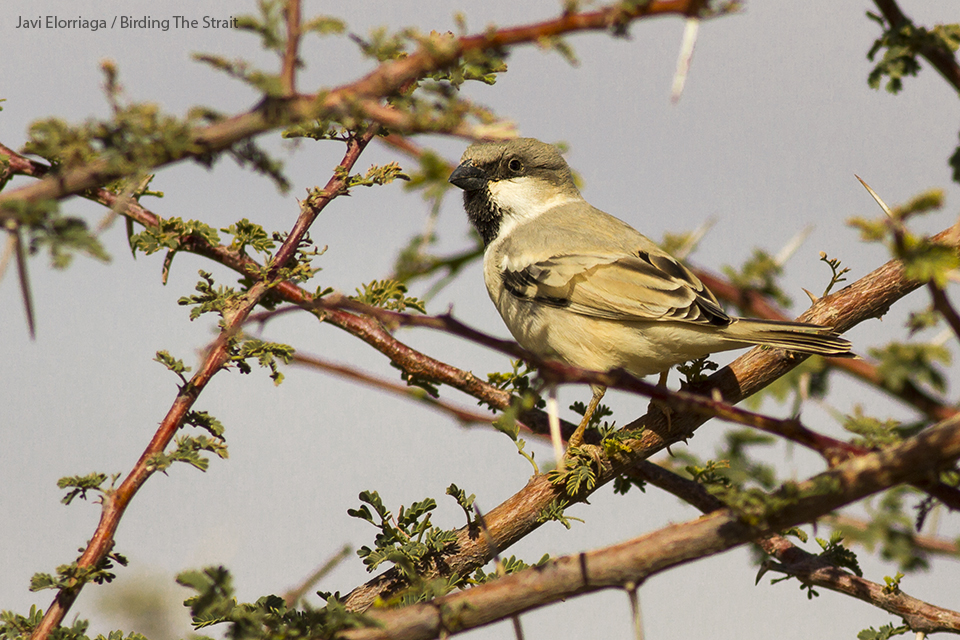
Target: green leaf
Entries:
(80, 485)
(389, 294)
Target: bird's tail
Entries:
(793, 336)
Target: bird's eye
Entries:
(515, 165)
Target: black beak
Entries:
(468, 177)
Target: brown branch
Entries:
(942, 304)
(832, 449)
(461, 414)
(807, 567)
(438, 52)
(632, 562)
(291, 57)
(757, 306)
(115, 502)
(557, 372)
(928, 543)
(942, 61)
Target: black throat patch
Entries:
(483, 214)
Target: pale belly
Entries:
(642, 348)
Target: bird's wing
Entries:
(644, 286)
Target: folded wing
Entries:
(643, 287)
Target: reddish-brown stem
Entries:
(460, 414)
(942, 304)
(291, 58)
(115, 502)
(346, 100)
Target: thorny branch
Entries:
(807, 567)
(353, 99)
(115, 502)
(634, 561)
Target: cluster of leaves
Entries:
(46, 227)
(901, 44)
(390, 295)
(519, 383)
(14, 626)
(72, 576)
(924, 259)
(899, 363)
(885, 632)
(269, 618)
(582, 464)
(876, 433)
(697, 370)
(505, 567)
(224, 301)
(409, 541)
(138, 136)
(80, 485)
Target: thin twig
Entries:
(347, 100)
(942, 304)
(291, 57)
(115, 501)
(293, 596)
(462, 415)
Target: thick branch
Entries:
(809, 568)
(756, 306)
(632, 562)
(346, 100)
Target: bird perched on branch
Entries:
(577, 284)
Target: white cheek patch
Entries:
(522, 199)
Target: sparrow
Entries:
(579, 285)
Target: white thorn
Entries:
(813, 298)
(883, 205)
(695, 238)
(791, 247)
(690, 31)
(553, 419)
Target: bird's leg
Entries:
(664, 408)
(577, 438)
(553, 419)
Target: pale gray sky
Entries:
(775, 120)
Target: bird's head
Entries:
(506, 183)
